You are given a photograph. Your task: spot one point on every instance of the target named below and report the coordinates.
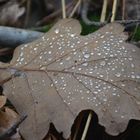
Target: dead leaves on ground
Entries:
(55, 77)
(10, 13)
(2, 101)
(8, 118)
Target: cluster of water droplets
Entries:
(84, 69)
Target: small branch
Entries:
(27, 12)
(53, 15)
(75, 8)
(79, 121)
(12, 130)
(123, 9)
(49, 17)
(5, 51)
(114, 10)
(86, 126)
(104, 9)
(12, 37)
(63, 8)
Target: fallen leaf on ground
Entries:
(2, 101)
(10, 12)
(8, 118)
(55, 77)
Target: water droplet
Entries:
(134, 50)
(130, 58)
(72, 35)
(85, 64)
(138, 102)
(88, 91)
(82, 97)
(35, 49)
(49, 52)
(137, 76)
(120, 41)
(79, 69)
(123, 85)
(102, 36)
(99, 54)
(133, 76)
(101, 76)
(103, 63)
(43, 68)
(105, 99)
(51, 84)
(56, 31)
(117, 74)
(86, 56)
(132, 65)
(86, 43)
(114, 94)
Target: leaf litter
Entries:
(8, 118)
(55, 77)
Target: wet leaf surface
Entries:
(55, 77)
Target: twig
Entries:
(114, 10)
(75, 8)
(27, 12)
(12, 130)
(12, 37)
(63, 8)
(77, 127)
(86, 126)
(49, 17)
(53, 15)
(103, 14)
(4, 51)
(123, 9)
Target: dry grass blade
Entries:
(104, 9)
(86, 127)
(5, 51)
(114, 10)
(63, 9)
(75, 8)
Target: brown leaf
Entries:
(62, 73)
(2, 101)
(50, 137)
(7, 119)
(10, 12)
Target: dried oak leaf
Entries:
(55, 77)
(2, 101)
(10, 12)
(8, 118)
